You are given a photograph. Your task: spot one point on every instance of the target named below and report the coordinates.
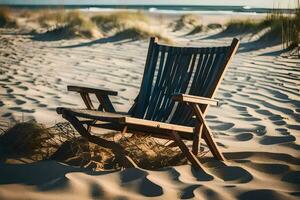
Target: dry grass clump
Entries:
(244, 26)
(119, 21)
(7, 20)
(149, 153)
(65, 25)
(49, 18)
(32, 141)
(142, 32)
(23, 139)
(80, 25)
(283, 27)
(187, 21)
(133, 25)
(214, 26)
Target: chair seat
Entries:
(124, 119)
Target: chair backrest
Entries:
(187, 70)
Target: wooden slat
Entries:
(177, 85)
(139, 129)
(123, 119)
(155, 91)
(93, 114)
(194, 99)
(156, 124)
(87, 101)
(139, 110)
(172, 57)
(233, 48)
(106, 103)
(91, 90)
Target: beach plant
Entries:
(80, 25)
(282, 27)
(187, 21)
(119, 21)
(125, 24)
(7, 19)
(68, 24)
(30, 142)
(243, 26)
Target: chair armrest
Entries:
(194, 99)
(91, 90)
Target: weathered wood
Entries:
(156, 124)
(207, 134)
(194, 99)
(141, 130)
(105, 103)
(139, 109)
(233, 48)
(117, 149)
(168, 70)
(126, 120)
(91, 90)
(196, 140)
(185, 150)
(87, 101)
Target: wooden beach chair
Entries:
(178, 85)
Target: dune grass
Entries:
(187, 21)
(7, 20)
(119, 21)
(32, 142)
(127, 24)
(68, 24)
(283, 27)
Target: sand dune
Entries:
(256, 124)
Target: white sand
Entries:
(256, 125)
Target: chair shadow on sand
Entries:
(50, 175)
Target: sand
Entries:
(256, 124)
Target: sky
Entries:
(252, 3)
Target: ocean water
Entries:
(170, 9)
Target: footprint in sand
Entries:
(244, 136)
(292, 177)
(19, 102)
(269, 140)
(283, 131)
(263, 194)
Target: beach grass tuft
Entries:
(127, 24)
(7, 20)
(187, 21)
(65, 25)
(283, 27)
(32, 142)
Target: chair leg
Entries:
(185, 150)
(117, 149)
(196, 142)
(207, 136)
